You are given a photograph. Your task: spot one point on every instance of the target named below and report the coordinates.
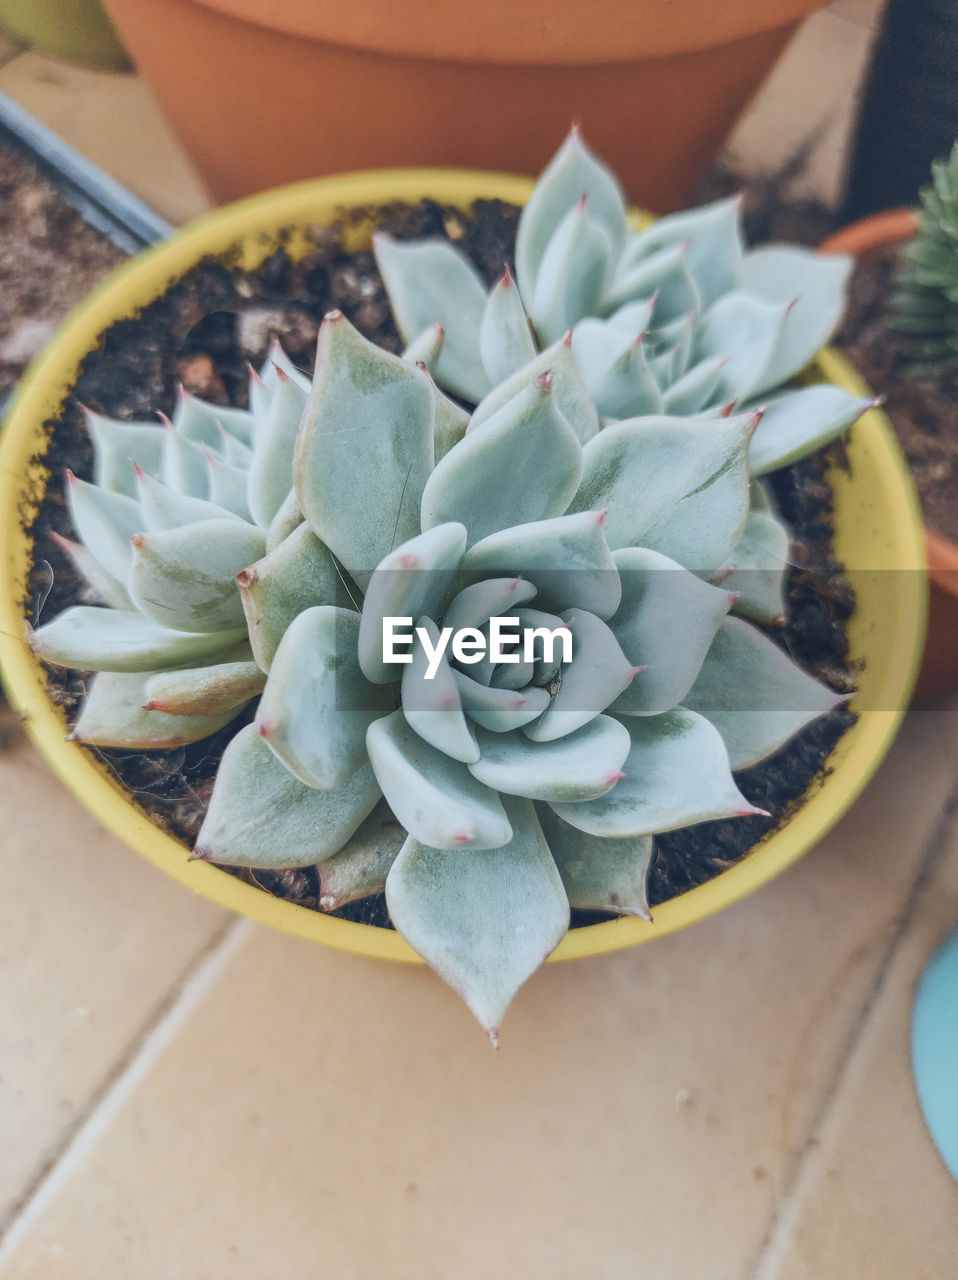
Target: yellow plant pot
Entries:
(878, 536)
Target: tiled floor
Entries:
(184, 1096)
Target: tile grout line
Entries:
(123, 1081)
(769, 1255)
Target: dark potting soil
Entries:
(923, 411)
(50, 258)
(203, 331)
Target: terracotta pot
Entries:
(269, 91)
(939, 668)
(876, 521)
(77, 30)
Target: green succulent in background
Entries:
(258, 553)
(924, 307)
(173, 513)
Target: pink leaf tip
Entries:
(409, 561)
(464, 835)
(599, 516)
(544, 381)
(613, 778)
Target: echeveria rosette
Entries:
(172, 514)
(519, 789)
(675, 319)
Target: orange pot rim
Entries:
(887, 227)
(536, 32)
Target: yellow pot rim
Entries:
(137, 283)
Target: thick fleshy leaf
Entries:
(666, 275)
(186, 578)
(754, 694)
(296, 575)
(287, 518)
(114, 715)
(578, 767)
(570, 392)
(567, 559)
(795, 424)
(812, 286)
(695, 389)
(599, 874)
(715, 246)
(413, 580)
(271, 471)
(500, 710)
(483, 921)
(547, 648)
(317, 705)
(200, 421)
(512, 675)
(435, 798)
(505, 339)
(425, 348)
(229, 487)
(671, 484)
(666, 623)
(205, 691)
(523, 464)
(431, 702)
(572, 173)
(615, 370)
(103, 586)
(596, 676)
(758, 578)
(365, 447)
(676, 773)
(163, 508)
(743, 331)
(261, 816)
(185, 467)
(117, 445)
(105, 522)
(360, 867)
(475, 605)
(573, 273)
(234, 451)
(92, 639)
(430, 282)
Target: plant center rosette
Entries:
(270, 552)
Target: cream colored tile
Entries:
(875, 1202)
(113, 119)
(321, 1114)
(810, 99)
(91, 941)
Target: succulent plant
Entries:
(273, 551)
(676, 318)
(924, 307)
(173, 513)
(519, 787)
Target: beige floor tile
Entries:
(874, 1201)
(810, 99)
(323, 1115)
(113, 119)
(92, 939)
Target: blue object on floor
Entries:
(934, 1049)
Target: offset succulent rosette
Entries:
(173, 513)
(677, 318)
(271, 552)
